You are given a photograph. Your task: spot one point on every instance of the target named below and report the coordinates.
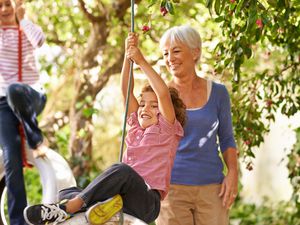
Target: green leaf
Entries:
(227, 61)
(251, 20)
(88, 112)
(208, 3)
(222, 5)
(217, 7)
(151, 3)
(243, 28)
(271, 117)
(259, 96)
(283, 109)
(170, 7)
(163, 3)
(250, 153)
(281, 3)
(248, 52)
(239, 6)
(258, 34)
(88, 99)
(219, 19)
(78, 105)
(272, 3)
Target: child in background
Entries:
(21, 99)
(139, 183)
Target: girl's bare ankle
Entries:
(74, 205)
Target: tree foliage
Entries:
(260, 55)
(251, 46)
(266, 32)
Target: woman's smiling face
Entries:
(179, 58)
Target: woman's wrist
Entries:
(232, 171)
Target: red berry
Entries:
(269, 102)
(163, 10)
(247, 142)
(145, 28)
(259, 23)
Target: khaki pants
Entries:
(193, 205)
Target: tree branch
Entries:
(121, 7)
(114, 69)
(88, 15)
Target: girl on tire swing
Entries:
(139, 183)
(21, 99)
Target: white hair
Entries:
(185, 34)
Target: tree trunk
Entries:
(81, 125)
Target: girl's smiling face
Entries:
(7, 13)
(148, 109)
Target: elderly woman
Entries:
(200, 193)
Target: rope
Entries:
(128, 89)
(20, 54)
(23, 144)
(121, 220)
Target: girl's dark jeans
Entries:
(22, 104)
(138, 200)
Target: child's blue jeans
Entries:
(138, 200)
(21, 104)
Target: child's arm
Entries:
(33, 32)
(160, 88)
(133, 104)
(20, 10)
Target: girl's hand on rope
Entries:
(20, 10)
(133, 53)
(131, 40)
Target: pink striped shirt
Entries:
(32, 38)
(151, 151)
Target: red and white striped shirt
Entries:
(32, 38)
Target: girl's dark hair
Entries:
(178, 104)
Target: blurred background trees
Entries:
(251, 46)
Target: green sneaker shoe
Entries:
(101, 212)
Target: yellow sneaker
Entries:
(101, 212)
